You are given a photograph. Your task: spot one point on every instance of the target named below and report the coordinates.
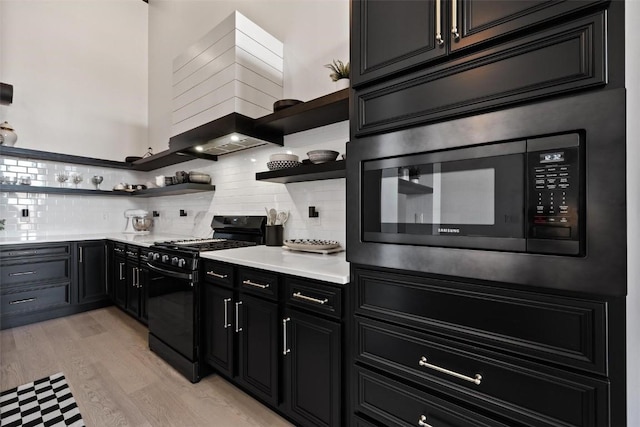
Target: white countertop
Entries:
(332, 268)
(329, 268)
(136, 239)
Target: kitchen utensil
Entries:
(273, 214)
(138, 221)
(282, 164)
(182, 177)
(322, 156)
(169, 180)
(97, 180)
(285, 103)
(283, 157)
(160, 180)
(25, 180)
(199, 178)
(120, 187)
(282, 217)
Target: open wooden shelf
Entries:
(311, 172)
(326, 110)
(172, 190)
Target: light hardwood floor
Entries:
(116, 380)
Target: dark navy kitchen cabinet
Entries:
(505, 53)
(92, 271)
(279, 338)
(391, 36)
(131, 280)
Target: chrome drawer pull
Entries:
(219, 276)
(306, 298)
(285, 350)
(22, 301)
(238, 328)
(422, 422)
(23, 253)
(21, 273)
(439, 40)
(226, 313)
(476, 380)
(257, 285)
(454, 19)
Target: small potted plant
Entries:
(339, 73)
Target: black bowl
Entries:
(285, 103)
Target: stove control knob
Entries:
(174, 260)
(165, 258)
(154, 256)
(182, 262)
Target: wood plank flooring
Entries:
(117, 380)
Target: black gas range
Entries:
(174, 294)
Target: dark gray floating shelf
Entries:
(311, 172)
(408, 187)
(172, 190)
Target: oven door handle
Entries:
(169, 273)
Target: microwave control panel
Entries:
(554, 188)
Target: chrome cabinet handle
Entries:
(476, 379)
(22, 273)
(22, 301)
(138, 285)
(306, 298)
(285, 350)
(23, 253)
(422, 422)
(219, 276)
(80, 260)
(454, 20)
(439, 40)
(238, 328)
(226, 313)
(257, 285)
(121, 272)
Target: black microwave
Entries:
(517, 196)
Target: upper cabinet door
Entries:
(476, 21)
(392, 35)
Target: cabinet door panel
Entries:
(258, 347)
(312, 369)
(479, 21)
(133, 291)
(389, 36)
(92, 272)
(219, 328)
(119, 274)
(574, 56)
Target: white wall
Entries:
(79, 71)
(314, 32)
(632, 70)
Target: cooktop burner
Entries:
(202, 245)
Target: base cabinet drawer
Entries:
(35, 299)
(36, 271)
(566, 331)
(526, 392)
(396, 404)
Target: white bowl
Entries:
(283, 157)
(322, 156)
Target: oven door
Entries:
(467, 198)
(172, 309)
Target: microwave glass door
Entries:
(417, 201)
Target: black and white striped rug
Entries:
(45, 402)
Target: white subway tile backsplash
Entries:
(237, 193)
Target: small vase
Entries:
(342, 84)
(9, 137)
